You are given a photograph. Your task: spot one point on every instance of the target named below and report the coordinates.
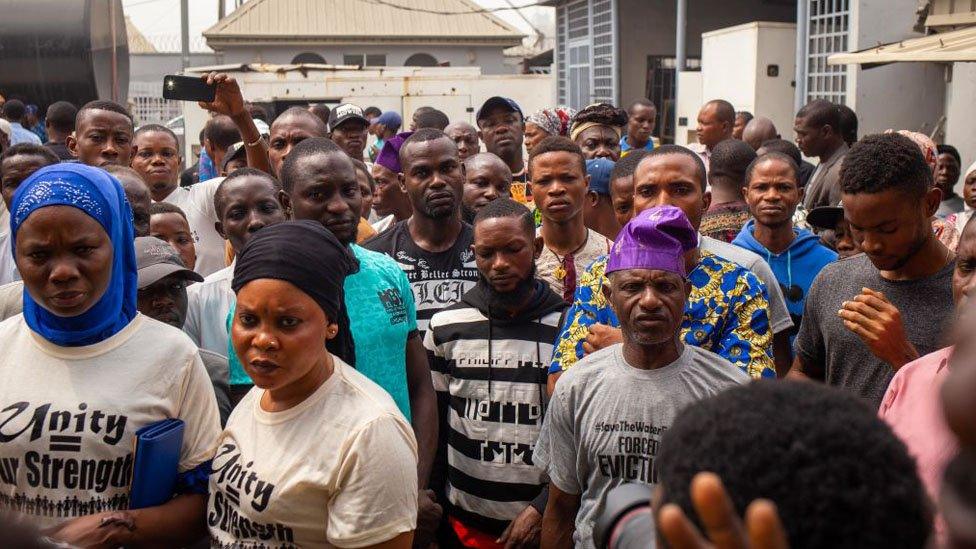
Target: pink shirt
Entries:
(912, 406)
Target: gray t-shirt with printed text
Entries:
(606, 420)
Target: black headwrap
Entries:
(307, 255)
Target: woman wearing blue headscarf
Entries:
(81, 371)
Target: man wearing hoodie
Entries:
(795, 255)
(489, 355)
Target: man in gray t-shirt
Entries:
(607, 415)
(925, 306)
(867, 316)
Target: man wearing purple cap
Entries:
(604, 424)
(728, 307)
(390, 201)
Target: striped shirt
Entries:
(496, 392)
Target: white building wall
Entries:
(960, 132)
(490, 59)
(899, 95)
(735, 64)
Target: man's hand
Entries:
(524, 531)
(428, 519)
(723, 528)
(601, 336)
(878, 323)
(228, 99)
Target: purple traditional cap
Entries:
(389, 156)
(656, 239)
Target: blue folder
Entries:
(155, 467)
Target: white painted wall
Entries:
(647, 27)
(960, 98)
(688, 102)
(490, 59)
(734, 68)
(899, 95)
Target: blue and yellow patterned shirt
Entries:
(727, 313)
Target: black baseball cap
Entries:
(498, 101)
(344, 113)
(825, 217)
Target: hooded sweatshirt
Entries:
(490, 370)
(795, 269)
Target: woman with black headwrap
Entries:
(316, 454)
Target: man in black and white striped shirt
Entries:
(488, 356)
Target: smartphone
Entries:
(187, 88)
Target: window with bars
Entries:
(585, 44)
(828, 27)
(603, 41)
(560, 55)
(148, 105)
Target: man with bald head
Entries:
(137, 193)
(465, 136)
(291, 128)
(486, 178)
(759, 130)
(716, 120)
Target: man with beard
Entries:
(866, 317)
(489, 352)
(486, 178)
(319, 184)
(162, 282)
(433, 246)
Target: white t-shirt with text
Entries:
(338, 469)
(68, 415)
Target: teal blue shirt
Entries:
(382, 315)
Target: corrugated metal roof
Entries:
(137, 41)
(361, 22)
(959, 45)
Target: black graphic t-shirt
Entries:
(438, 280)
(68, 415)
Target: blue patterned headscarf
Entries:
(98, 194)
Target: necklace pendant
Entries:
(559, 272)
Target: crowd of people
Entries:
(469, 335)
